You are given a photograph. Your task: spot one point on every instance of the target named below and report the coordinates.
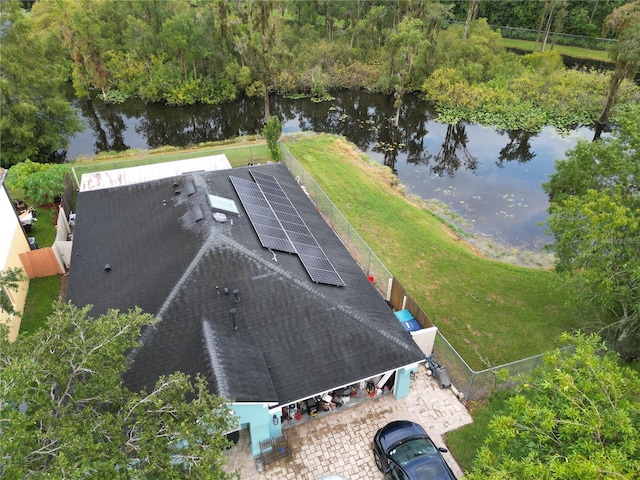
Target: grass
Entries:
(238, 154)
(466, 441)
(39, 304)
(44, 230)
(491, 312)
(574, 52)
(42, 291)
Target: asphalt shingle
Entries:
(294, 338)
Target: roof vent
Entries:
(233, 312)
(196, 212)
(220, 217)
(190, 188)
(107, 267)
(236, 295)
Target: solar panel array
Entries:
(262, 218)
(280, 227)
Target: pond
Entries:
(489, 179)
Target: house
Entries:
(254, 290)
(13, 242)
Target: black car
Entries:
(403, 451)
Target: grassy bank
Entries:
(574, 52)
(491, 312)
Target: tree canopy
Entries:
(65, 413)
(577, 416)
(183, 52)
(36, 119)
(594, 216)
(40, 182)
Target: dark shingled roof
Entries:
(294, 338)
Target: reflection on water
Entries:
(492, 178)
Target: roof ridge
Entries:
(306, 286)
(172, 294)
(220, 379)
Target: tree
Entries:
(594, 216)
(65, 412)
(625, 22)
(262, 47)
(403, 46)
(471, 15)
(40, 182)
(10, 279)
(271, 132)
(578, 416)
(36, 120)
(546, 20)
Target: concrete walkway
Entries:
(340, 443)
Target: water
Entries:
(490, 178)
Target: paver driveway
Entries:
(340, 442)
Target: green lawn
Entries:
(44, 230)
(42, 293)
(574, 52)
(491, 312)
(238, 154)
(467, 440)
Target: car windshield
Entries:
(407, 451)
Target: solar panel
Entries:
(323, 276)
(315, 261)
(294, 227)
(264, 222)
(311, 250)
(265, 179)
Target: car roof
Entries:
(430, 466)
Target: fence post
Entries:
(468, 392)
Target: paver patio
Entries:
(340, 442)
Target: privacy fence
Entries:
(474, 385)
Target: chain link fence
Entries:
(517, 33)
(593, 43)
(473, 385)
(360, 251)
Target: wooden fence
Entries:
(41, 263)
(400, 300)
